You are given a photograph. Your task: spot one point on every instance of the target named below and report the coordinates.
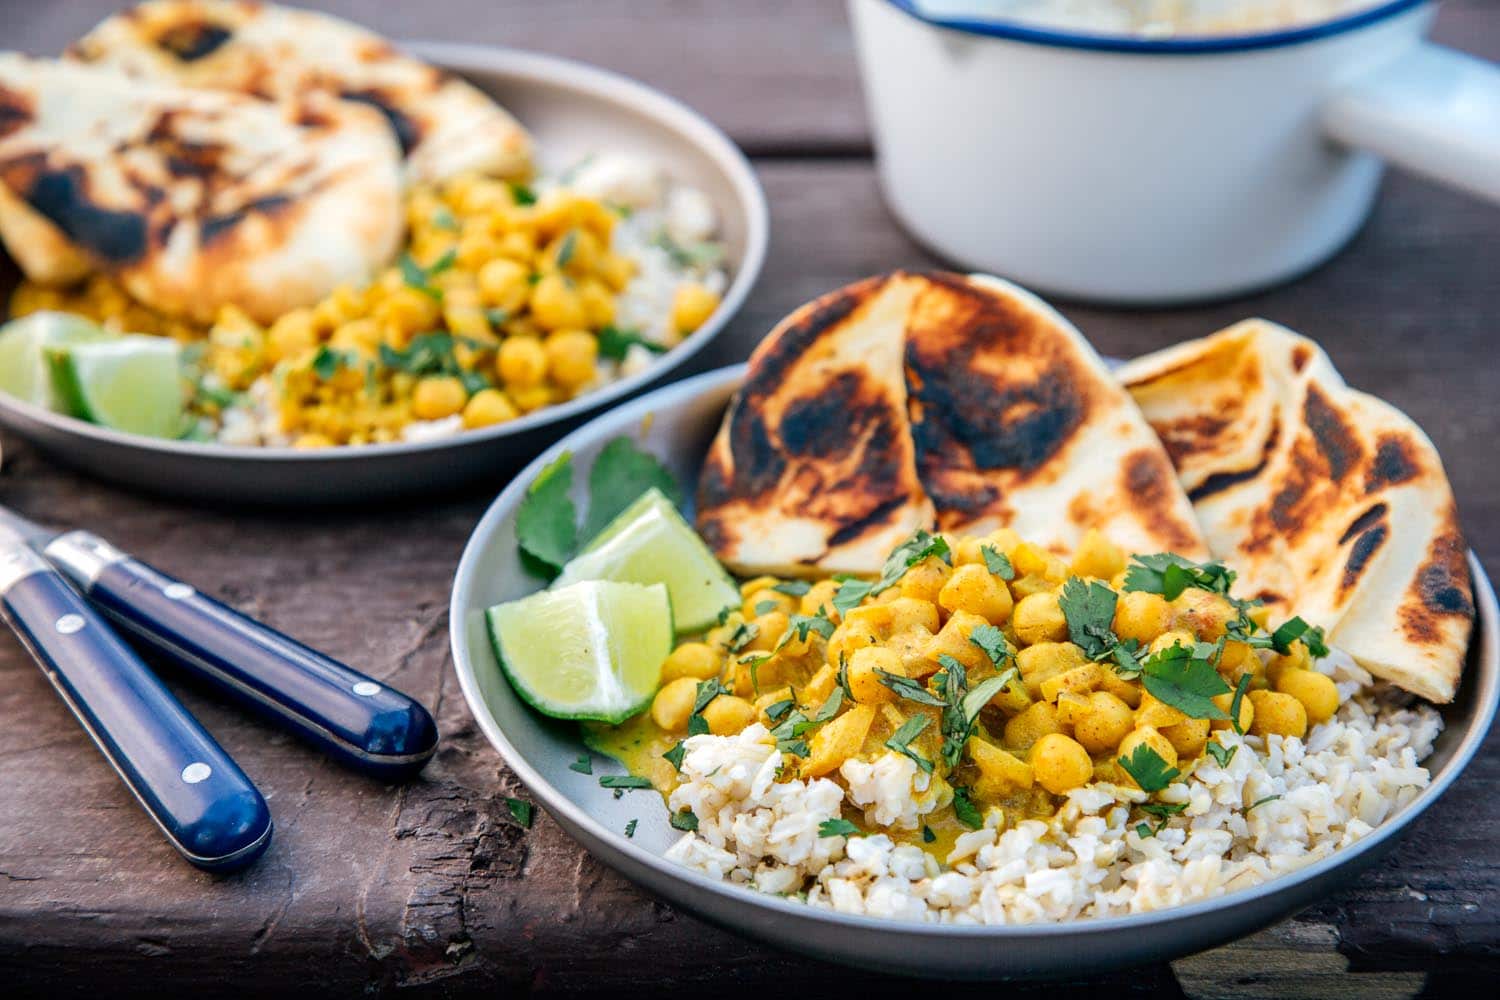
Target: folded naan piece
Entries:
(445, 125)
(814, 468)
(1329, 503)
(192, 199)
(930, 401)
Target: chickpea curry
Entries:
(1008, 674)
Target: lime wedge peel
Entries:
(650, 542)
(592, 650)
(24, 343)
(131, 384)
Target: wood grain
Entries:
(431, 888)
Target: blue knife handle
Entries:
(199, 797)
(360, 721)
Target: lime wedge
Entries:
(132, 384)
(590, 651)
(649, 542)
(24, 372)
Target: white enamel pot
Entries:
(1154, 171)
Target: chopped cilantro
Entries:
(776, 711)
(1090, 611)
(793, 588)
(329, 361)
(1144, 831)
(837, 828)
(927, 835)
(520, 811)
(545, 529)
(707, 691)
(1168, 574)
(803, 625)
(704, 254)
(743, 633)
(443, 219)
(1184, 677)
(842, 677)
(674, 756)
(1220, 752)
(1148, 768)
(965, 810)
(630, 828)
(1296, 628)
(1261, 802)
(753, 661)
(614, 343)
(582, 765)
(900, 740)
(1234, 703)
(997, 562)
(830, 706)
(684, 819)
(625, 781)
(908, 688)
(419, 277)
(992, 641)
(566, 248)
(850, 594)
(621, 473)
(522, 194)
(919, 546)
(962, 706)
(434, 354)
(763, 606)
(1161, 810)
(496, 316)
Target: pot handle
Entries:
(1433, 111)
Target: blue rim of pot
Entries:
(1189, 45)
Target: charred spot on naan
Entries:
(1338, 444)
(63, 197)
(1395, 462)
(989, 389)
(16, 111)
(409, 131)
(1442, 592)
(1218, 482)
(1150, 490)
(192, 38)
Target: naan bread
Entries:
(1329, 503)
(814, 468)
(192, 199)
(931, 401)
(445, 125)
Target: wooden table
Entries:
(431, 887)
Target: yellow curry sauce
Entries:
(1070, 703)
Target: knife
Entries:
(196, 794)
(360, 721)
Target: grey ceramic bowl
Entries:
(683, 419)
(572, 110)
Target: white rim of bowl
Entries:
(605, 84)
(621, 420)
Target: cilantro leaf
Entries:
(776, 711)
(621, 473)
(582, 765)
(442, 218)
(1220, 752)
(630, 828)
(793, 588)
(803, 625)
(520, 811)
(684, 820)
(626, 781)
(997, 562)
(912, 551)
(992, 641)
(1144, 831)
(1127, 662)
(1184, 678)
(566, 248)
(545, 529)
(837, 828)
(674, 756)
(615, 343)
(908, 688)
(850, 594)
(842, 677)
(1296, 628)
(1090, 611)
(1148, 768)
(1162, 810)
(1234, 703)
(1168, 574)
(964, 809)
(741, 636)
(927, 835)
(522, 194)
(762, 607)
(1260, 802)
(420, 278)
(900, 740)
(329, 361)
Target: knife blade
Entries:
(367, 725)
(196, 794)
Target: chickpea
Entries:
(697, 660)
(926, 579)
(1141, 616)
(309, 442)
(755, 599)
(487, 408)
(1039, 618)
(1097, 556)
(772, 626)
(1024, 729)
(1225, 702)
(437, 397)
(727, 715)
(1277, 713)
(907, 613)
(1175, 637)
(598, 303)
(848, 637)
(1127, 691)
(973, 588)
(616, 270)
(1157, 713)
(1187, 737)
(571, 355)
(1078, 680)
(1045, 660)
(290, 335)
(555, 305)
(953, 640)
(1236, 660)
(820, 598)
(1059, 763)
(1107, 722)
(864, 682)
(1205, 614)
(521, 362)
(1298, 658)
(1150, 737)
(1316, 692)
(503, 285)
(673, 704)
(692, 305)
(533, 397)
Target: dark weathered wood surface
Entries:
(431, 886)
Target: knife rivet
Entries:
(195, 772)
(177, 591)
(68, 624)
(366, 688)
